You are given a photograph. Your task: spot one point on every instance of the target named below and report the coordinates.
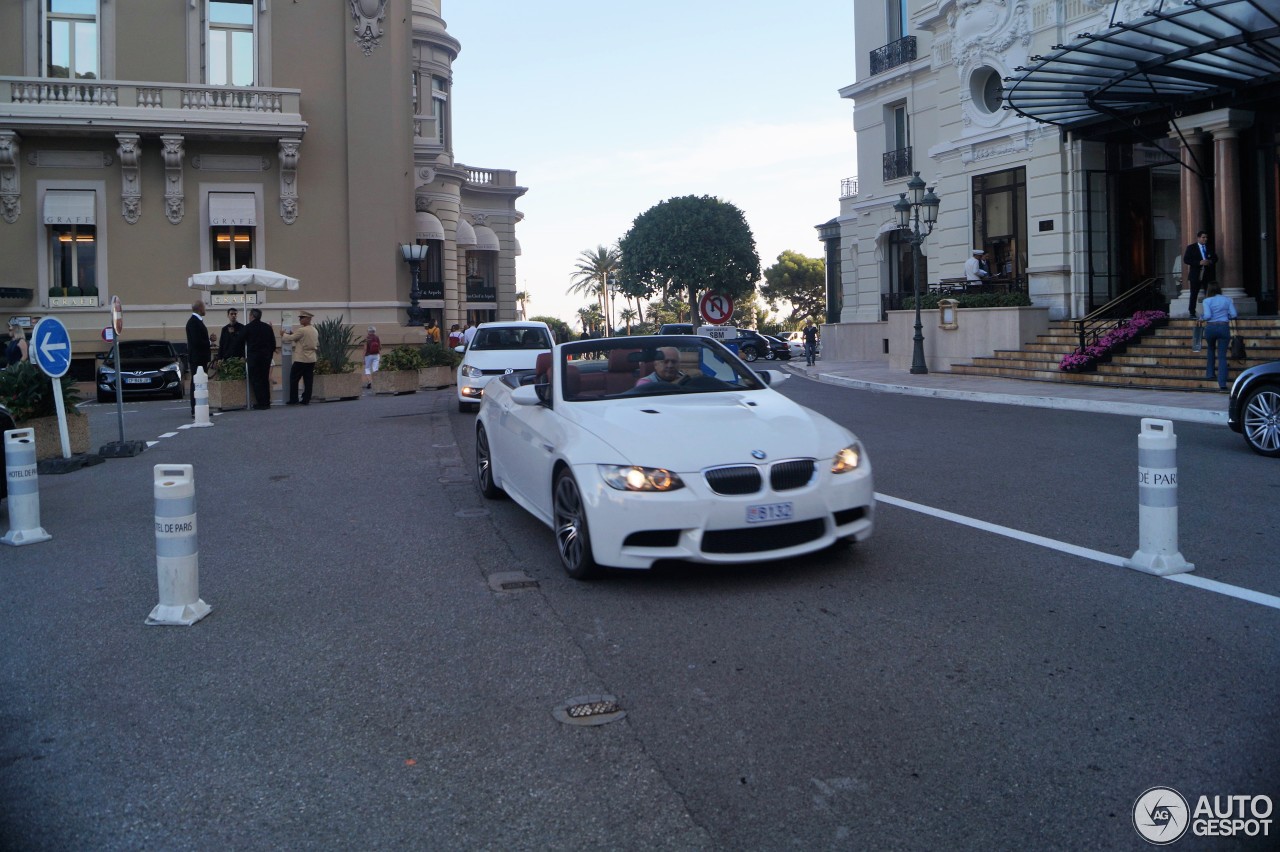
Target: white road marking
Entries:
(1075, 550)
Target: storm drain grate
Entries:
(511, 581)
(589, 710)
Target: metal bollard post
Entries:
(177, 551)
(1157, 551)
(202, 398)
(24, 488)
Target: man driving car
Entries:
(666, 368)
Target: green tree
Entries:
(628, 316)
(800, 281)
(559, 327)
(684, 246)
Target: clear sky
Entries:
(606, 108)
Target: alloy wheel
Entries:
(1262, 421)
(572, 538)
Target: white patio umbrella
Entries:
(246, 280)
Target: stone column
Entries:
(1225, 125)
(1194, 162)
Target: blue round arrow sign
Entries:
(51, 347)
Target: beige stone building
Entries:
(1083, 165)
(144, 142)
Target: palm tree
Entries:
(628, 315)
(521, 298)
(591, 274)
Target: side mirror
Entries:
(460, 349)
(773, 377)
(528, 394)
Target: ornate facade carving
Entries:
(130, 186)
(174, 200)
(289, 180)
(10, 195)
(368, 15)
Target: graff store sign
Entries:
(479, 291)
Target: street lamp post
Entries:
(414, 254)
(613, 301)
(922, 209)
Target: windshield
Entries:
(626, 367)
(150, 350)
(511, 338)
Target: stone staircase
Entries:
(1160, 360)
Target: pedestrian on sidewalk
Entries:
(199, 349)
(231, 340)
(1218, 313)
(372, 356)
(260, 348)
(1199, 262)
(304, 358)
(810, 335)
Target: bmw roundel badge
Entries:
(758, 455)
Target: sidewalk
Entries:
(1187, 406)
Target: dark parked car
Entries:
(752, 345)
(1254, 409)
(6, 423)
(678, 328)
(779, 350)
(149, 367)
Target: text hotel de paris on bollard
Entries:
(1158, 501)
(24, 488)
(177, 552)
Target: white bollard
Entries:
(202, 398)
(24, 488)
(1158, 501)
(177, 551)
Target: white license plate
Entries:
(136, 380)
(768, 512)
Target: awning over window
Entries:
(466, 234)
(232, 209)
(69, 207)
(515, 247)
(1174, 54)
(486, 239)
(427, 227)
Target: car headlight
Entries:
(106, 372)
(470, 372)
(847, 459)
(175, 367)
(635, 478)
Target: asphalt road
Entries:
(359, 684)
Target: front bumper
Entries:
(634, 530)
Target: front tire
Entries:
(749, 354)
(484, 466)
(1260, 415)
(573, 539)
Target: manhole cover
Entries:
(477, 512)
(589, 710)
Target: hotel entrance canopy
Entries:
(1176, 54)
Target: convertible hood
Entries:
(695, 431)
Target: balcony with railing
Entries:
(893, 54)
(46, 103)
(848, 187)
(897, 164)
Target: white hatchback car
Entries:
(498, 348)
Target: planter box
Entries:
(49, 443)
(435, 377)
(227, 395)
(395, 381)
(337, 386)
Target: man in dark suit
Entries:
(260, 341)
(199, 352)
(1199, 260)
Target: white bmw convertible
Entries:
(636, 449)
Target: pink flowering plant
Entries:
(1130, 329)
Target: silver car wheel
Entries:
(572, 537)
(1262, 421)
